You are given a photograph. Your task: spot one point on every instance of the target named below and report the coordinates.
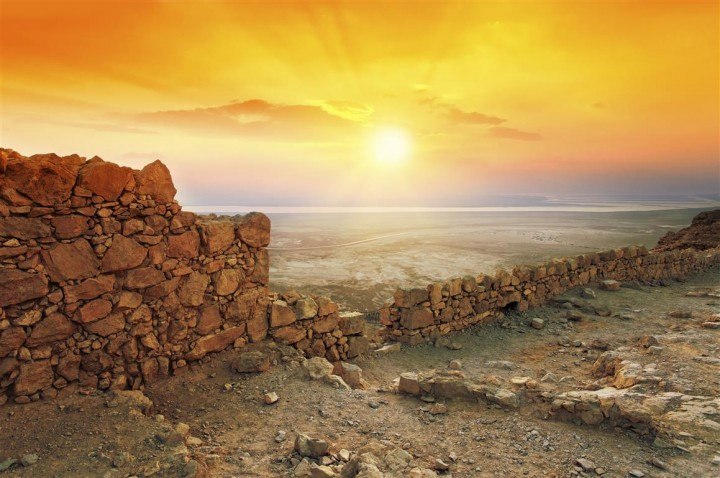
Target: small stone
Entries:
(281, 436)
(537, 323)
(310, 447)
(438, 409)
(611, 285)
(29, 459)
(193, 441)
(658, 464)
(585, 464)
(270, 398)
(455, 365)
(440, 465)
(681, 314)
(636, 473)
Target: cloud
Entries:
(348, 110)
(457, 115)
(512, 133)
(258, 117)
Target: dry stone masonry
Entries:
(419, 315)
(106, 283)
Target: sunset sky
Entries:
(369, 104)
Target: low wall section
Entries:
(418, 315)
(106, 283)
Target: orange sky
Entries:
(278, 104)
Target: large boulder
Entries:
(17, 286)
(107, 180)
(23, 227)
(184, 246)
(281, 314)
(217, 236)
(254, 229)
(155, 181)
(75, 260)
(33, 377)
(70, 226)
(89, 288)
(46, 179)
(215, 342)
(53, 328)
(192, 292)
(143, 277)
(124, 253)
(416, 318)
(227, 281)
(112, 324)
(11, 339)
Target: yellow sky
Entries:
(279, 104)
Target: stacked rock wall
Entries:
(106, 283)
(417, 315)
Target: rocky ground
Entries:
(598, 383)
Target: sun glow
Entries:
(391, 146)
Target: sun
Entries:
(391, 146)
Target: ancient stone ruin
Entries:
(419, 315)
(106, 283)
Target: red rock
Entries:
(124, 253)
(89, 288)
(227, 281)
(93, 310)
(242, 307)
(261, 272)
(352, 325)
(162, 289)
(215, 343)
(325, 324)
(17, 286)
(6, 252)
(326, 306)
(357, 345)
(111, 324)
(67, 227)
(416, 318)
(254, 229)
(53, 328)
(257, 326)
(217, 236)
(69, 367)
(24, 228)
(143, 277)
(289, 334)
(104, 179)
(192, 292)
(155, 181)
(76, 260)
(11, 339)
(281, 314)
(47, 179)
(184, 246)
(33, 377)
(210, 320)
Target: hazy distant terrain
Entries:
(321, 253)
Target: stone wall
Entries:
(419, 315)
(106, 283)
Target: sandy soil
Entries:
(91, 435)
(360, 259)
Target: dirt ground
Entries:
(95, 435)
